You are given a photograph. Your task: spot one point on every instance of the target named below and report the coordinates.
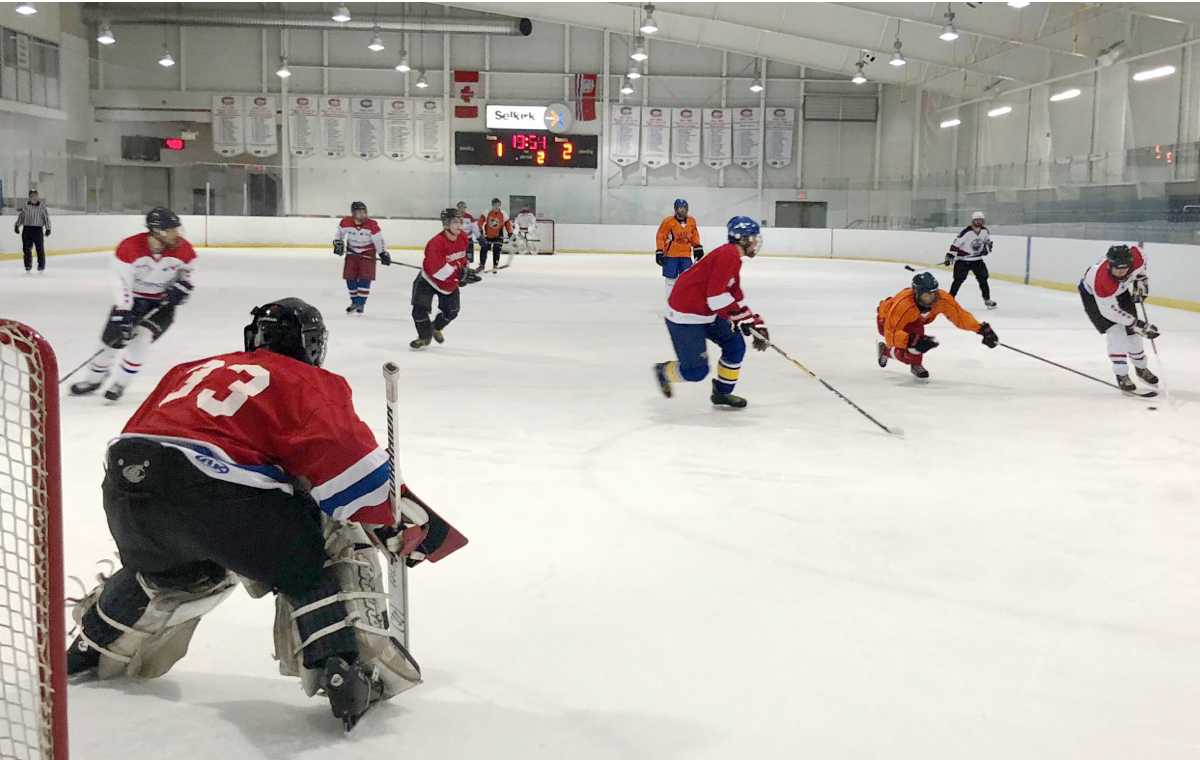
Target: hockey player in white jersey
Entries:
(1109, 290)
(470, 228)
(153, 273)
(966, 254)
(527, 231)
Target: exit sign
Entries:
(801, 195)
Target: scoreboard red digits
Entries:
(526, 149)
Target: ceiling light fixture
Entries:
(756, 85)
(1161, 71)
(1065, 95)
(949, 33)
(105, 37)
(648, 25)
(634, 73)
(422, 82)
(26, 9)
(1018, 3)
(1000, 111)
(166, 60)
(626, 87)
(403, 66)
(376, 42)
(284, 72)
(639, 51)
(951, 123)
(858, 77)
(897, 57)
(342, 15)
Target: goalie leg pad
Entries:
(357, 595)
(141, 629)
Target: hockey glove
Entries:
(1145, 329)
(419, 534)
(697, 253)
(990, 339)
(987, 248)
(760, 338)
(924, 343)
(16, 229)
(1140, 289)
(745, 320)
(178, 293)
(385, 258)
(339, 247)
(949, 259)
(119, 329)
(47, 232)
(659, 258)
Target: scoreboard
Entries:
(532, 149)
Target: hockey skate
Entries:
(437, 335)
(114, 392)
(1125, 384)
(881, 353)
(418, 344)
(1146, 375)
(660, 374)
(351, 308)
(989, 303)
(726, 399)
(83, 388)
(350, 691)
(919, 372)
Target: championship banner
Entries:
(261, 140)
(398, 129)
(716, 137)
(747, 136)
(656, 136)
(335, 126)
(367, 116)
(780, 131)
(685, 137)
(585, 97)
(625, 134)
(466, 89)
(302, 125)
(431, 129)
(228, 125)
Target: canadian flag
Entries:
(466, 89)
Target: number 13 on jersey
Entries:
(235, 392)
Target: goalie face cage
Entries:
(33, 685)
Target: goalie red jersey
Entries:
(256, 418)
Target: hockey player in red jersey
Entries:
(707, 304)
(360, 239)
(254, 466)
(1110, 289)
(442, 272)
(153, 273)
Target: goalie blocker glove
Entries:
(420, 533)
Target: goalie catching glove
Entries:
(420, 533)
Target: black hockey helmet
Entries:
(161, 219)
(495, 200)
(925, 290)
(290, 327)
(1119, 256)
(357, 206)
(449, 215)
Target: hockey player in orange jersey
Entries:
(678, 244)
(901, 320)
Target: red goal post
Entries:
(33, 684)
(545, 234)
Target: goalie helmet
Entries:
(925, 290)
(290, 327)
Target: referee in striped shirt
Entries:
(35, 218)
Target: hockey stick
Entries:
(923, 269)
(88, 361)
(891, 431)
(1149, 394)
(1146, 319)
(397, 567)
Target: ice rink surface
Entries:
(654, 579)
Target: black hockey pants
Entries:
(962, 268)
(422, 305)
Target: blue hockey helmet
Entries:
(925, 290)
(744, 228)
(680, 202)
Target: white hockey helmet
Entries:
(977, 215)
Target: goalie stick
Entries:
(397, 567)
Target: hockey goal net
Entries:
(545, 236)
(33, 692)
